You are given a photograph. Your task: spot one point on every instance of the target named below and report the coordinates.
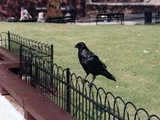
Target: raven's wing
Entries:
(90, 62)
(82, 59)
(93, 65)
(96, 60)
(99, 62)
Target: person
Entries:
(25, 14)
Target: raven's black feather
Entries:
(91, 63)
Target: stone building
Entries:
(126, 6)
(11, 8)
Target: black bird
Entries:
(91, 63)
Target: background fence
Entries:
(13, 42)
(4, 40)
(68, 91)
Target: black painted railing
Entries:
(69, 92)
(13, 42)
(66, 89)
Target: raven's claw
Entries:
(83, 80)
(90, 85)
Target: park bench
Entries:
(108, 17)
(63, 19)
(12, 19)
(35, 104)
(29, 20)
(157, 17)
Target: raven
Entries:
(91, 63)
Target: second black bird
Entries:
(91, 63)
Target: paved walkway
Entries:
(9, 111)
(130, 19)
(155, 1)
(136, 22)
(127, 22)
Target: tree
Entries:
(53, 8)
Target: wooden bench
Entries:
(64, 19)
(157, 17)
(108, 17)
(8, 59)
(35, 104)
(29, 20)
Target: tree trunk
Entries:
(53, 8)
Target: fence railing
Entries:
(67, 89)
(4, 40)
(69, 92)
(13, 42)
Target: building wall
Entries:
(132, 6)
(115, 1)
(92, 10)
(11, 8)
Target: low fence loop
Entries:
(68, 90)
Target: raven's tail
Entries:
(108, 75)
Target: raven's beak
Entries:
(76, 46)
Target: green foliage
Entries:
(131, 53)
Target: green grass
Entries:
(131, 53)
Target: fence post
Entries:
(51, 65)
(30, 67)
(51, 59)
(9, 39)
(68, 91)
(21, 63)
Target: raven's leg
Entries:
(90, 84)
(84, 80)
(86, 76)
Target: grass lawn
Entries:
(131, 53)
